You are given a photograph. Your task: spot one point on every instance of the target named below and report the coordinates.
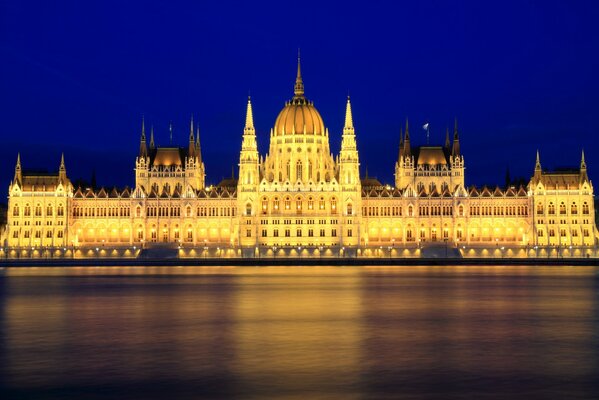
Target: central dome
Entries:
(299, 115)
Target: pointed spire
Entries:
(447, 142)
(143, 149)
(192, 142)
(62, 170)
(583, 164)
(455, 151)
(249, 118)
(152, 145)
(198, 150)
(18, 174)
(299, 84)
(583, 169)
(349, 121)
(538, 162)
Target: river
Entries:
(417, 332)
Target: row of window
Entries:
(563, 208)
(101, 212)
(564, 233)
(16, 211)
(521, 210)
(37, 234)
(298, 205)
(300, 232)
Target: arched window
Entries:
(264, 205)
(574, 209)
(310, 203)
(309, 169)
(138, 211)
(189, 233)
(287, 203)
(15, 211)
(551, 209)
(410, 211)
(27, 210)
(298, 171)
(350, 209)
(298, 203)
(38, 210)
(289, 170)
(461, 210)
(188, 211)
(248, 209)
(540, 208)
(334, 205)
(49, 210)
(585, 208)
(275, 204)
(562, 208)
(321, 203)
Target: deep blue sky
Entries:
(77, 77)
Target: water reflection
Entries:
(193, 332)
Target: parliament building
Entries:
(300, 199)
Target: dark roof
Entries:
(168, 156)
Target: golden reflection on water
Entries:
(286, 332)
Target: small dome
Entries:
(299, 117)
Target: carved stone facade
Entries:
(300, 195)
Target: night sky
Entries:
(77, 77)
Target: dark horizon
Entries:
(518, 76)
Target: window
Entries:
(275, 233)
(298, 171)
(321, 203)
(38, 210)
(585, 208)
(551, 209)
(264, 205)
(322, 233)
(562, 208)
(350, 210)
(410, 211)
(27, 210)
(574, 209)
(334, 205)
(310, 232)
(310, 203)
(15, 211)
(287, 203)
(349, 233)
(298, 203)
(298, 232)
(461, 210)
(275, 204)
(264, 233)
(333, 232)
(248, 209)
(188, 211)
(287, 232)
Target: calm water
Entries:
(300, 333)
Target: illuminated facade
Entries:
(299, 195)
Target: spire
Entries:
(299, 84)
(192, 142)
(583, 169)
(18, 174)
(249, 118)
(447, 142)
(400, 143)
(538, 162)
(62, 170)
(455, 151)
(198, 146)
(349, 121)
(143, 149)
(406, 142)
(152, 145)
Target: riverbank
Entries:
(212, 262)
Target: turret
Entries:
(407, 151)
(538, 169)
(143, 149)
(18, 179)
(192, 145)
(583, 169)
(349, 171)
(62, 170)
(455, 151)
